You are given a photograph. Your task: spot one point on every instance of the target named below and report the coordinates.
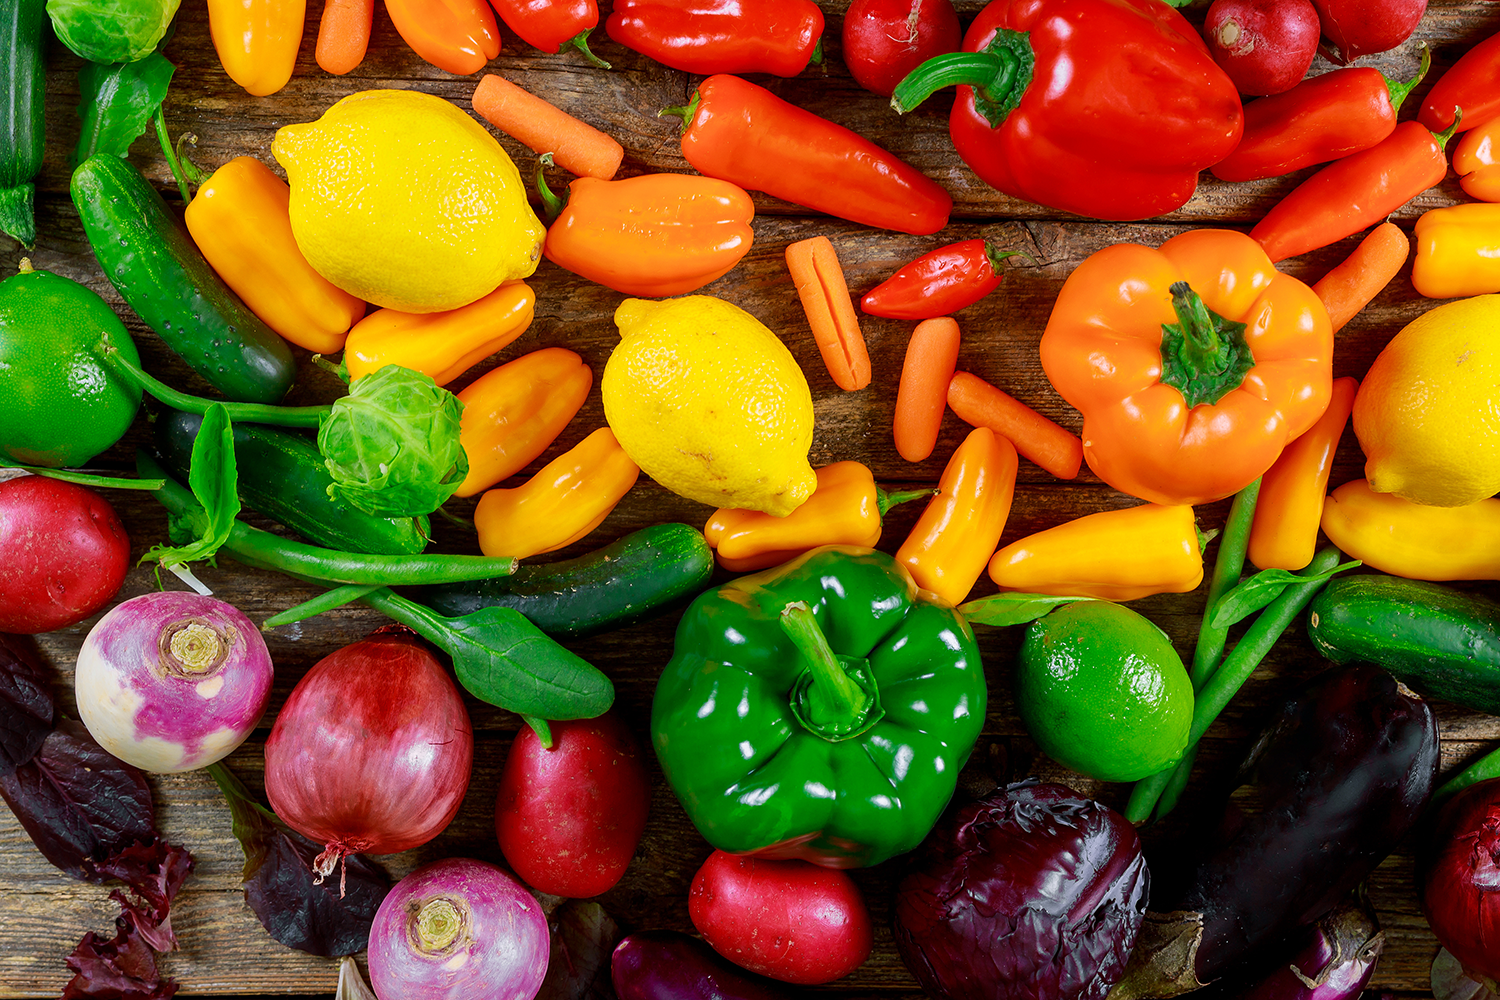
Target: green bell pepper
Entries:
(819, 710)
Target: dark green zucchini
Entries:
(22, 82)
(640, 576)
(1439, 641)
(282, 475)
(149, 257)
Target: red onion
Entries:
(1459, 873)
(172, 681)
(459, 929)
(371, 753)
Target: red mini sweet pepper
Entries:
(938, 283)
(552, 25)
(779, 37)
(1106, 108)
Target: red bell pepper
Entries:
(742, 133)
(1472, 83)
(779, 37)
(552, 25)
(1106, 108)
(939, 283)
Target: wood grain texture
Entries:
(224, 952)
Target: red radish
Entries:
(1362, 27)
(886, 39)
(372, 751)
(1265, 46)
(66, 554)
(172, 681)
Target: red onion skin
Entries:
(167, 712)
(499, 950)
(1459, 874)
(373, 749)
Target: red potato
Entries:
(789, 920)
(1265, 46)
(65, 554)
(569, 818)
(884, 40)
(1361, 27)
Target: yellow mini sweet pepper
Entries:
(512, 413)
(442, 345)
(1458, 251)
(257, 41)
(1417, 541)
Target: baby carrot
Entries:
(544, 128)
(931, 355)
(1048, 445)
(830, 311)
(344, 34)
(1350, 286)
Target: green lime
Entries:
(63, 405)
(1103, 692)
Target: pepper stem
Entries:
(834, 696)
(580, 42)
(885, 500)
(1398, 90)
(1441, 138)
(551, 201)
(687, 112)
(999, 74)
(1203, 355)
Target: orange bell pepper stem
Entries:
(1284, 533)
(459, 36)
(1043, 442)
(830, 311)
(1351, 285)
(511, 414)
(344, 35)
(441, 345)
(952, 541)
(931, 356)
(543, 127)
(257, 41)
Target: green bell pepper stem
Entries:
(835, 699)
(255, 413)
(999, 74)
(1483, 769)
(885, 500)
(1200, 333)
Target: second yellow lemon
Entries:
(402, 199)
(710, 404)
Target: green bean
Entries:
(1482, 769)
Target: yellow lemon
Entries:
(1428, 413)
(710, 404)
(404, 200)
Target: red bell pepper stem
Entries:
(552, 25)
(999, 74)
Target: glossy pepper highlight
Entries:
(1193, 364)
(459, 36)
(1457, 250)
(938, 283)
(511, 414)
(779, 37)
(440, 345)
(743, 133)
(241, 221)
(257, 41)
(1417, 541)
(820, 710)
(1106, 108)
(846, 508)
(553, 25)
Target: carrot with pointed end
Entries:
(543, 127)
(931, 356)
(1050, 446)
(1350, 286)
(344, 34)
(830, 311)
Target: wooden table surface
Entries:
(223, 949)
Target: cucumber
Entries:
(635, 578)
(23, 72)
(282, 475)
(1439, 641)
(151, 260)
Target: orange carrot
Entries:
(1350, 286)
(931, 356)
(545, 128)
(977, 402)
(830, 311)
(344, 34)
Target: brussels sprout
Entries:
(111, 31)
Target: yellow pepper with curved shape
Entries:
(442, 345)
(512, 413)
(1458, 251)
(1417, 541)
(257, 41)
(567, 499)
(1114, 555)
(241, 221)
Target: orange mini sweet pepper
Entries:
(241, 220)
(257, 41)
(845, 509)
(953, 539)
(562, 503)
(442, 345)
(1193, 364)
(512, 413)
(1457, 250)
(1115, 555)
(1476, 160)
(459, 36)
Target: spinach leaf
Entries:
(999, 610)
(26, 703)
(117, 102)
(1256, 592)
(213, 478)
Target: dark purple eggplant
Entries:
(1343, 772)
(1330, 959)
(1032, 893)
(669, 965)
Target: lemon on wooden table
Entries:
(404, 200)
(710, 404)
(1428, 413)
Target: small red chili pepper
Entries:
(779, 37)
(939, 283)
(1472, 83)
(1354, 193)
(742, 133)
(1322, 118)
(552, 25)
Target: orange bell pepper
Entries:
(562, 503)
(442, 345)
(511, 414)
(953, 539)
(845, 509)
(257, 41)
(241, 221)
(1193, 364)
(1284, 534)
(654, 235)
(459, 36)
(1114, 555)
(1476, 160)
